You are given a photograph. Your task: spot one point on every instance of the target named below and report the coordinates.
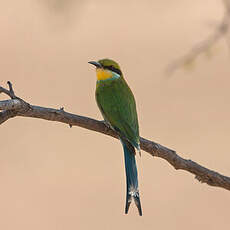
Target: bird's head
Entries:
(106, 68)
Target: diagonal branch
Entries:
(18, 107)
(204, 46)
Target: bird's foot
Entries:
(106, 124)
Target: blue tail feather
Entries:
(132, 191)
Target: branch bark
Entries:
(18, 107)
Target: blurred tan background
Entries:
(56, 178)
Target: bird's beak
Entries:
(97, 64)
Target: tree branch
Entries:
(18, 107)
(204, 46)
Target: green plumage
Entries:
(118, 107)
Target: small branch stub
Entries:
(11, 90)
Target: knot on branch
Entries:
(204, 179)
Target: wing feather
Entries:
(118, 107)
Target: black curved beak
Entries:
(97, 64)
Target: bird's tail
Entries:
(131, 177)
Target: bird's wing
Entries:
(118, 107)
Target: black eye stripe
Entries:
(112, 68)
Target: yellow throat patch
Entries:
(103, 74)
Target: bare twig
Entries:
(205, 45)
(9, 92)
(24, 109)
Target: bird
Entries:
(117, 105)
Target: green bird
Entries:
(118, 107)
